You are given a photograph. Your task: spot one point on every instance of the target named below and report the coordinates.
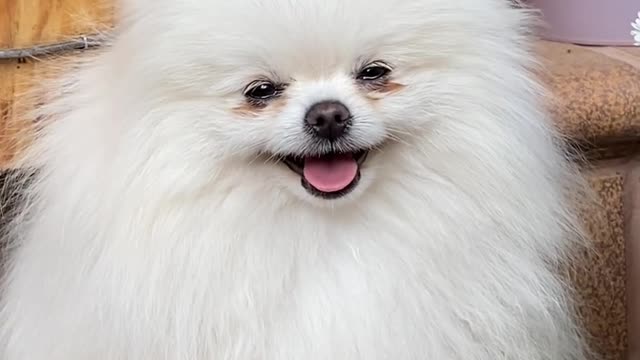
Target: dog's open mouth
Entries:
(328, 176)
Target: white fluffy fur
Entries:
(158, 229)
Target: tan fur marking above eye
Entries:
(249, 110)
(384, 90)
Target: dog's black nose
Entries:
(328, 119)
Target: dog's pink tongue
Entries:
(329, 174)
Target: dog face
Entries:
(316, 98)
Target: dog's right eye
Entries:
(374, 71)
(261, 90)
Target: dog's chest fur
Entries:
(300, 285)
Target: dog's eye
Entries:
(261, 90)
(374, 72)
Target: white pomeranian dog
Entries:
(297, 179)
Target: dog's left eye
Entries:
(374, 72)
(261, 90)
